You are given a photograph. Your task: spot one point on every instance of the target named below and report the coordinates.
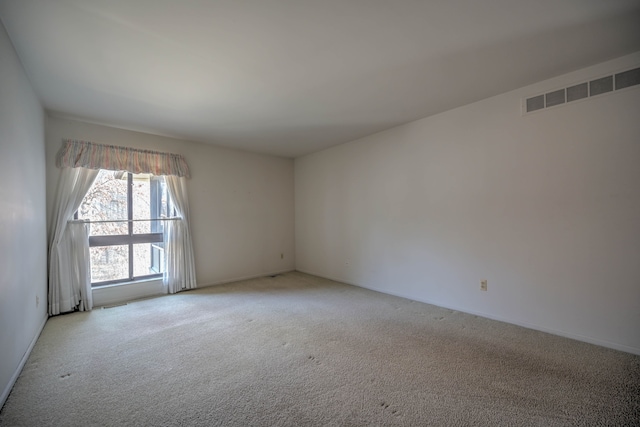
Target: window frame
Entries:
(129, 239)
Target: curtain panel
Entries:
(69, 277)
(180, 272)
(90, 155)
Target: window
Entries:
(126, 237)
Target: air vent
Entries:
(588, 89)
(599, 86)
(628, 78)
(105, 307)
(577, 92)
(554, 98)
(535, 103)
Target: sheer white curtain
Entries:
(69, 271)
(180, 271)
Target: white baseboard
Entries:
(25, 357)
(577, 337)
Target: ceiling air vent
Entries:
(579, 91)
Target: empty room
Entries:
(319, 213)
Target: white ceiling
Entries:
(289, 77)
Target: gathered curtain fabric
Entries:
(180, 273)
(69, 258)
(84, 154)
(69, 272)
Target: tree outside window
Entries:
(126, 237)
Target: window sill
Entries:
(122, 292)
(133, 282)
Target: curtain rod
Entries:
(87, 221)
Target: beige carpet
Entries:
(297, 350)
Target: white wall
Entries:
(545, 206)
(23, 241)
(241, 203)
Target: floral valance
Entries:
(84, 154)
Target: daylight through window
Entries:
(126, 237)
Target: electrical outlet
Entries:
(483, 285)
(37, 301)
(281, 255)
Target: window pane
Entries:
(148, 258)
(106, 200)
(109, 263)
(158, 202)
(141, 203)
(157, 258)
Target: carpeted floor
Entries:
(297, 350)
